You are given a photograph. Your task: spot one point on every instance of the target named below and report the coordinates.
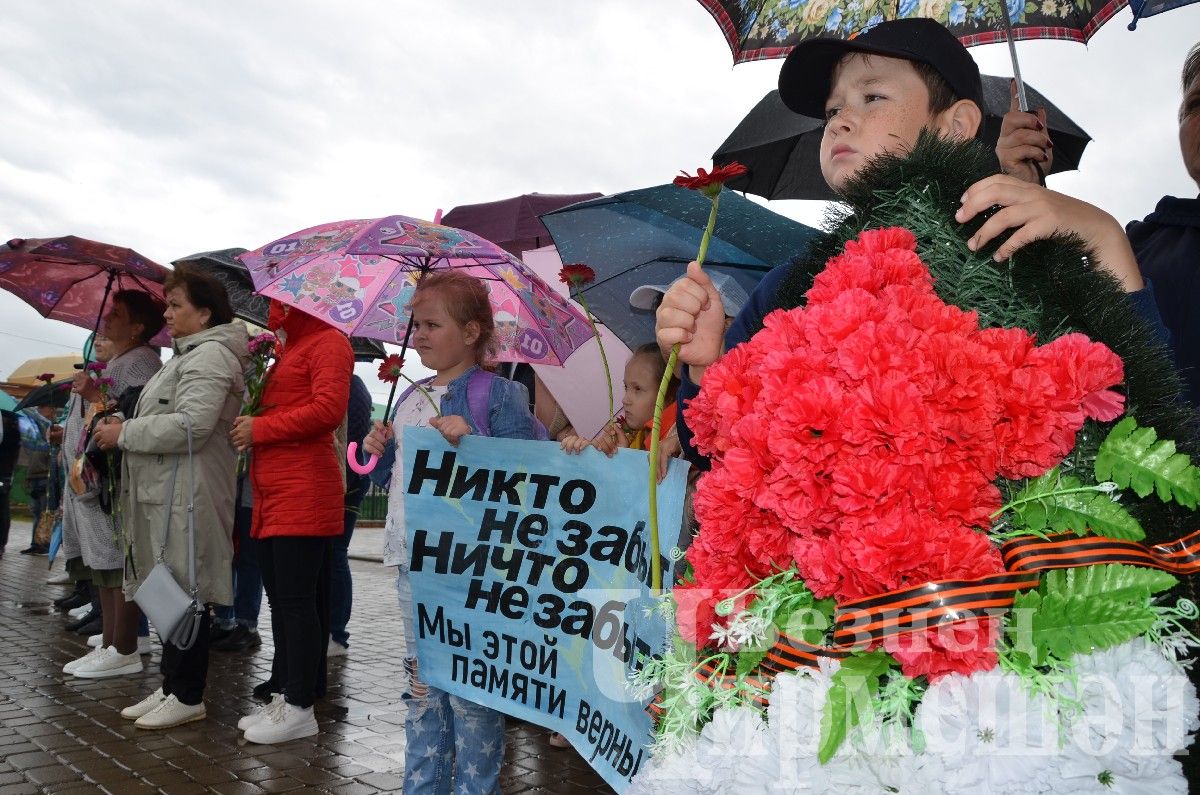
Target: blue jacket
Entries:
(508, 417)
(1167, 245)
(763, 299)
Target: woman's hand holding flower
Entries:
(242, 434)
(106, 433)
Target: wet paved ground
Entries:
(60, 734)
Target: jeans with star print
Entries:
(452, 745)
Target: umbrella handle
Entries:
(352, 460)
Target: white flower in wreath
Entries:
(1136, 702)
(988, 732)
(795, 708)
(739, 750)
(1077, 771)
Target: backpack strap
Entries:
(479, 393)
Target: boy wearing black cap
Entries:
(877, 92)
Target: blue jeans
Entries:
(341, 587)
(247, 580)
(448, 738)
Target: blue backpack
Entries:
(479, 390)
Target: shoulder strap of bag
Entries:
(169, 504)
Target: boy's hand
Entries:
(573, 443)
(378, 438)
(452, 426)
(1024, 141)
(1035, 213)
(691, 314)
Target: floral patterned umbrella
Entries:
(359, 276)
(760, 29)
(71, 278)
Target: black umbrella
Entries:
(55, 393)
(781, 149)
(252, 307)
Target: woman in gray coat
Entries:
(204, 383)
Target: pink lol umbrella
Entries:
(359, 276)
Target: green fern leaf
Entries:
(1043, 506)
(1094, 511)
(1066, 624)
(1106, 579)
(1133, 457)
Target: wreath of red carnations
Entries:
(859, 437)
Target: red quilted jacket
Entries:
(294, 474)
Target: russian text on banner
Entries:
(530, 577)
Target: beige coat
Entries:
(204, 381)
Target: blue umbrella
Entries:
(55, 540)
(647, 237)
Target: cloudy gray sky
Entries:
(179, 127)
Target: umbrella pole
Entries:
(96, 329)
(1022, 99)
(1012, 53)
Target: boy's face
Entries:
(1189, 130)
(876, 104)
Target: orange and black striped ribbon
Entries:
(865, 622)
(1067, 550)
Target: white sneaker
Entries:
(143, 642)
(261, 713)
(145, 706)
(280, 726)
(109, 665)
(70, 667)
(79, 612)
(336, 649)
(171, 712)
(62, 578)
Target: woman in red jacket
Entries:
(298, 487)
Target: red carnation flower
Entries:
(576, 275)
(859, 439)
(46, 378)
(389, 368)
(710, 182)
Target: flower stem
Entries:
(655, 428)
(603, 357)
(436, 408)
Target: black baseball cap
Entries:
(807, 73)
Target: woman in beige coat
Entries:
(203, 381)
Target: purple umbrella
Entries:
(513, 224)
(70, 278)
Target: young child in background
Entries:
(452, 332)
(643, 373)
